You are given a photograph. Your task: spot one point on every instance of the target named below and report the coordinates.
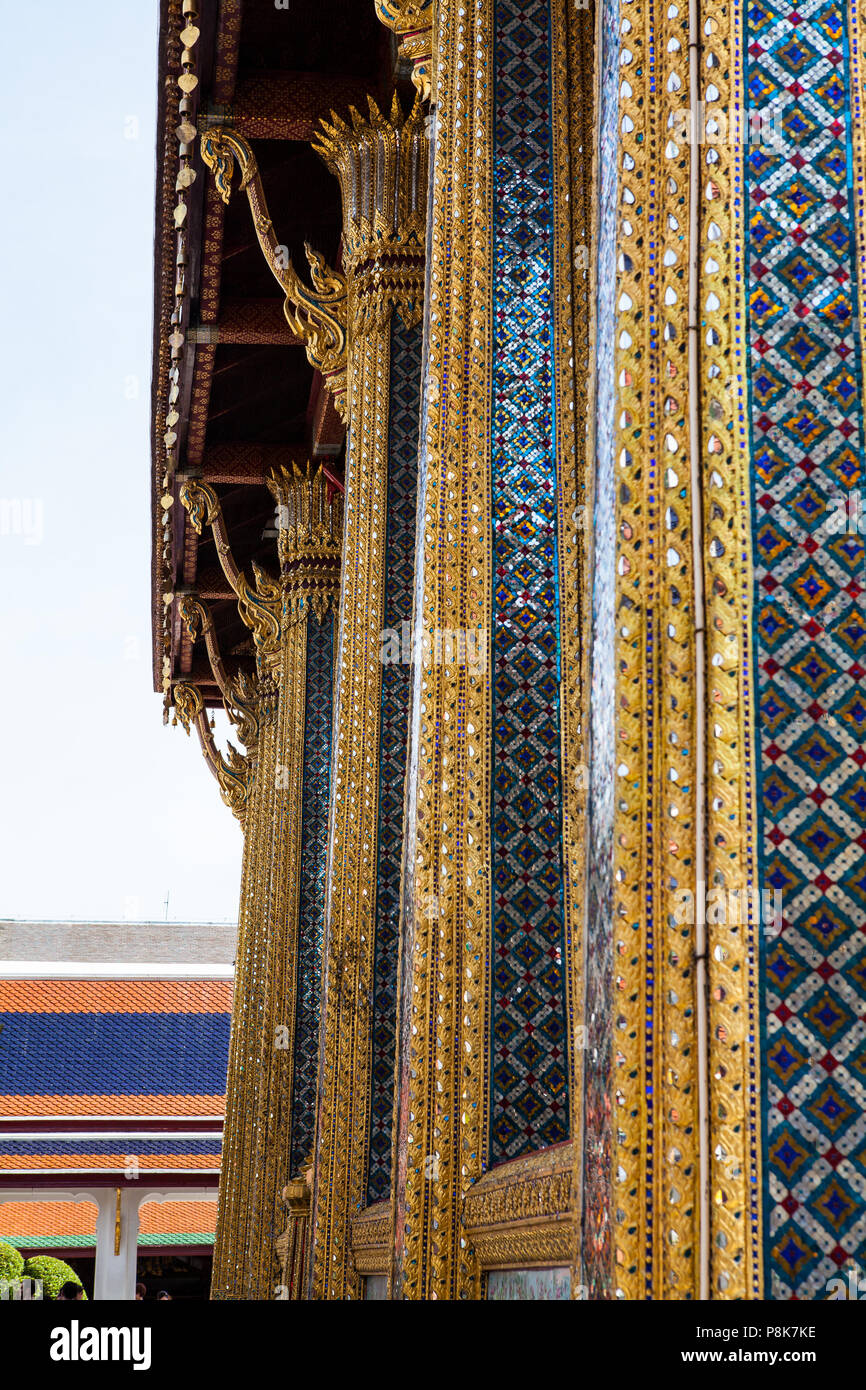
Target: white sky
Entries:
(102, 810)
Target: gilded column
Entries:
(275, 1018)
(657, 822)
(491, 1011)
(381, 163)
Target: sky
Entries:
(104, 813)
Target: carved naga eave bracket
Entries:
(234, 773)
(317, 314)
(239, 692)
(259, 604)
(413, 23)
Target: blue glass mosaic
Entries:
(529, 1069)
(314, 837)
(807, 450)
(404, 415)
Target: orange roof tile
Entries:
(70, 1106)
(68, 1162)
(34, 1224)
(115, 996)
(163, 1218)
(18, 1220)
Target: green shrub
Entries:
(11, 1264)
(54, 1274)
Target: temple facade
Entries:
(508, 416)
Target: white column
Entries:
(115, 1273)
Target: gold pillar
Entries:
(657, 829)
(292, 1245)
(445, 1066)
(260, 1119)
(733, 1138)
(446, 1048)
(382, 167)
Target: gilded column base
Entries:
(520, 1214)
(372, 1240)
(292, 1245)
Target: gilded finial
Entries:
(381, 162)
(310, 519)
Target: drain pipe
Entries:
(697, 519)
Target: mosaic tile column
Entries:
(270, 1093)
(774, 137)
(491, 1005)
(801, 72)
(382, 167)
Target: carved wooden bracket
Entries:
(316, 314)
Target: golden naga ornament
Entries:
(188, 705)
(234, 773)
(412, 21)
(318, 313)
(239, 692)
(259, 604)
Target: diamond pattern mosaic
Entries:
(807, 448)
(404, 414)
(318, 720)
(529, 1061)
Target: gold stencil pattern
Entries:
(382, 167)
(443, 1072)
(655, 1037)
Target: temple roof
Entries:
(175, 944)
(93, 1070)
